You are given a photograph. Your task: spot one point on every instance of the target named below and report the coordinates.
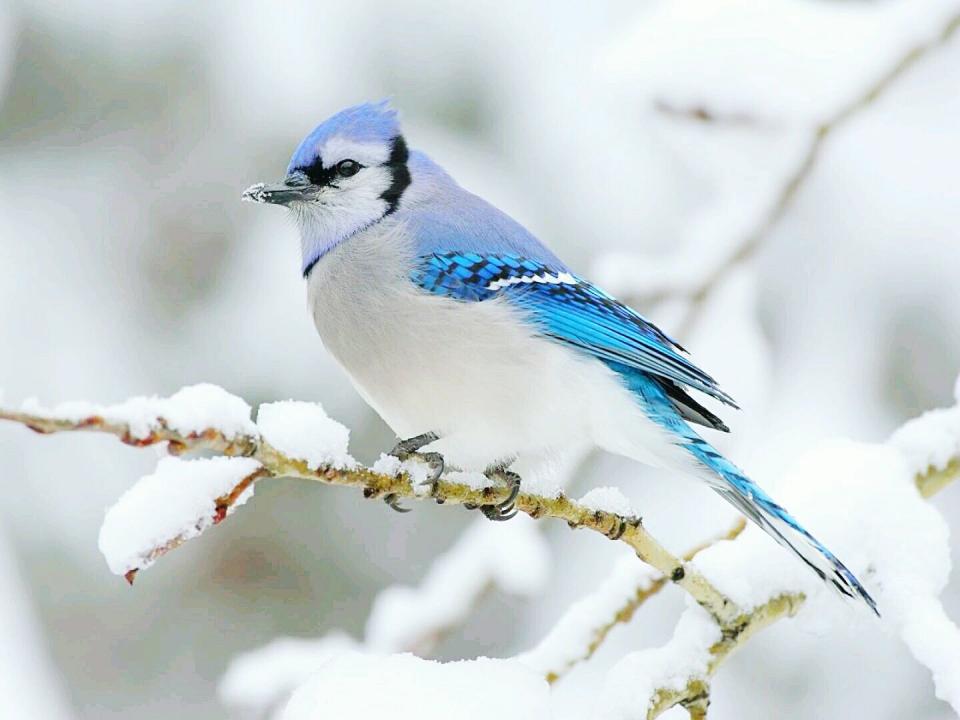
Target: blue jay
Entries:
(472, 339)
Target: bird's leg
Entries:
(409, 448)
(503, 510)
(406, 448)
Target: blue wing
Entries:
(568, 309)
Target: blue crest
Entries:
(368, 122)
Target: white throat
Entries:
(338, 214)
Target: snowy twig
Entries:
(935, 480)
(348, 473)
(585, 626)
(694, 695)
(513, 558)
(931, 447)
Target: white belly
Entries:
(470, 372)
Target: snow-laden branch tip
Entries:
(295, 439)
(180, 500)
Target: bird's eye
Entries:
(346, 168)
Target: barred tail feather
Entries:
(759, 507)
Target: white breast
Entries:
(469, 371)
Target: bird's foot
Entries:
(409, 449)
(406, 448)
(505, 509)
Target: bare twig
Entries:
(747, 247)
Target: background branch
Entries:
(696, 291)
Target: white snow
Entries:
(859, 499)
(178, 501)
(263, 678)
(405, 687)
(934, 640)
(569, 638)
(389, 465)
(931, 440)
(302, 430)
(190, 410)
(630, 684)
(473, 480)
(511, 556)
(608, 499)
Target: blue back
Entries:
(443, 216)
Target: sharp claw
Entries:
(393, 502)
(505, 509)
(409, 448)
(435, 461)
(496, 513)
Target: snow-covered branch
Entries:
(737, 585)
(293, 439)
(891, 482)
(587, 623)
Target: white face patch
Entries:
(338, 212)
(563, 278)
(338, 148)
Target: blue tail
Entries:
(731, 484)
(753, 502)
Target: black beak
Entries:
(282, 193)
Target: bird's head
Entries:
(346, 175)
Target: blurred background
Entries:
(646, 142)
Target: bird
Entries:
(477, 344)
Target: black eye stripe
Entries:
(318, 174)
(396, 164)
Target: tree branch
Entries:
(624, 528)
(699, 291)
(592, 620)
(736, 634)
